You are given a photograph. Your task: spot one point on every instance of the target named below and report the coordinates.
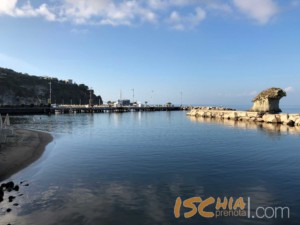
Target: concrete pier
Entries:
(83, 109)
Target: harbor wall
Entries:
(283, 118)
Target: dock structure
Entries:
(84, 109)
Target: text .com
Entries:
(226, 207)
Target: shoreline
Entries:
(21, 150)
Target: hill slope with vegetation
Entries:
(23, 89)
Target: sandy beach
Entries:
(21, 150)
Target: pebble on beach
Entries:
(11, 198)
(9, 187)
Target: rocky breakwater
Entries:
(265, 110)
(206, 112)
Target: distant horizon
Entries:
(242, 105)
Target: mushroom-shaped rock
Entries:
(268, 101)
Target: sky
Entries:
(201, 52)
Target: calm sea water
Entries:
(129, 168)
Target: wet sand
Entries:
(21, 149)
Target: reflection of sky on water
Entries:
(106, 202)
(271, 129)
(129, 169)
(116, 203)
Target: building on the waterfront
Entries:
(124, 102)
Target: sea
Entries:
(158, 168)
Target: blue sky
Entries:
(216, 52)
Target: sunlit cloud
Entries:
(10, 8)
(180, 22)
(178, 14)
(260, 10)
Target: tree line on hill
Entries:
(19, 89)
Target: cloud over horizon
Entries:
(177, 14)
(260, 10)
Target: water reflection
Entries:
(126, 203)
(272, 129)
(100, 204)
(129, 168)
(54, 123)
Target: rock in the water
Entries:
(268, 100)
(284, 118)
(9, 186)
(2, 186)
(269, 118)
(16, 188)
(8, 210)
(11, 198)
(290, 123)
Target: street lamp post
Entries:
(132, 94)
(152, 97)
(50, 93)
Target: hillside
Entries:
(23, 89)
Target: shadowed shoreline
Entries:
(20, 150)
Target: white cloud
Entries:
(260, 10)
(289, 89)
(175, 17)
(158, 4)
(223, 7)
(162, 4)
(187, 13)
(9, 7)
(45, 12)
(199, 15)
(105, 12)
(81, 11)
(179, 22)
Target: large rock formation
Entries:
(268, 100)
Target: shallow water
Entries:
(129, 168)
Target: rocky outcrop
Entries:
(19, 89)
(268, 101)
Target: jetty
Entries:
(64, 109)
(259, 117)
(265, 110)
